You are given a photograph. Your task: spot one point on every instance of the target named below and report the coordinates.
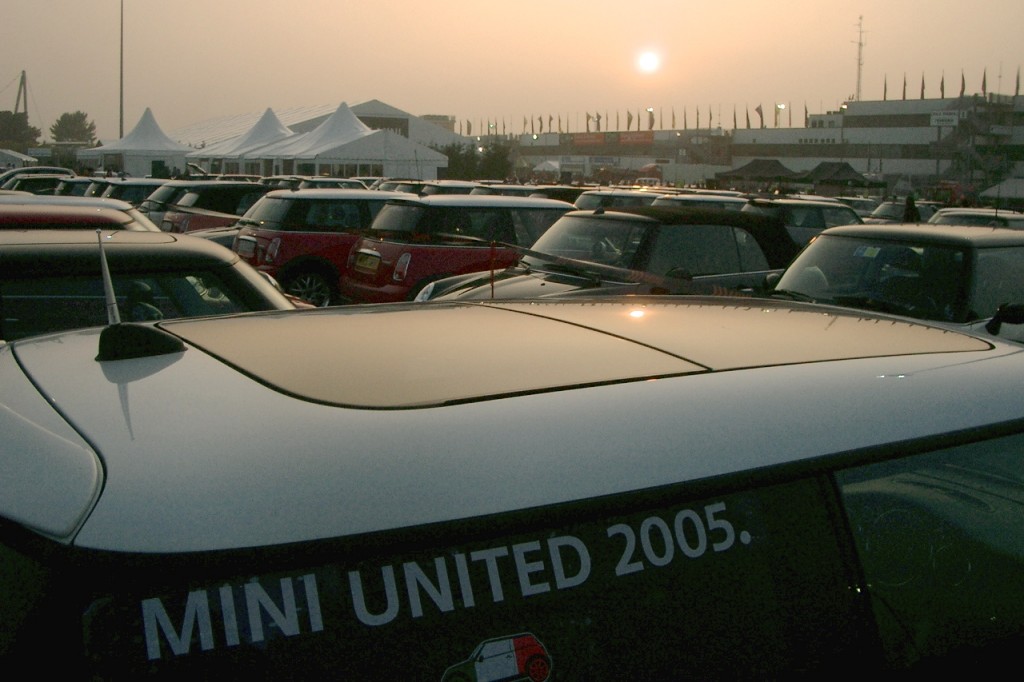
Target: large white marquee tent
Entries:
(146, 150)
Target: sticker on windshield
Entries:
(867, 251)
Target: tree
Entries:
(73, 127)
(16, 133)
(496, 163)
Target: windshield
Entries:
(597, 240)
(927, 281)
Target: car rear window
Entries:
(46, 304)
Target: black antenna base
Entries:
(125, 341)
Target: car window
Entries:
(610, 242)
(694, 250)
(926, 282)
(941, 542)
(530, 224)
(839, 215)
(998, 279)
(46, 304)
(330, 216)
(479, 223)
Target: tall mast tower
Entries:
(860, 53)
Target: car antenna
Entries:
(122, 341)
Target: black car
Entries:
(805, 218)
(636, 250)
(50, 280)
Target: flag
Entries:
(597, 118)
(698, 118)
(559, 123)
(942, 87)
(588, 121)
(533, 128)
(540, 124)
(963, 83)
(922, 86)
(674, 109)
(618, 123)
(904, 86)
(629, 119)
(685, 124)
(469, 128)
(709, 117)
(807, 117)
(1016, 89)
(734, 126)
(650, 119)
(790, 105)
(661, 117)
(550, 120)
(760, 113)
(748, 118)
(984, 80)
(885, 88)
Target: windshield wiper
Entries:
(791, 295)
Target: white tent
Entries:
(224, 156)
(146, 150)
(342, 145)
(1011, 190)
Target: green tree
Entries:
(496, 163)
(462, 161)
(16, 133)
(73, 127)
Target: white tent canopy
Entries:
(1009, 189)
(341, 143)
(267, 130)
(146, 150)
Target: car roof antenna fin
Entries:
(122, 341)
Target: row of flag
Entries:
(942, 85)
(595, 122)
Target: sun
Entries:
(648, 62)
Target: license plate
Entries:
(367, 262)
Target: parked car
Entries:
(696, 200)
(155, 205)
(77, 186)
(805, 218)
(70, 213)
(514, 657)
(615, 198)
(864, 206)
(330, 183)
(303, 238)
(211, 203)
(989, 217)
(132, 190)
(655, 489)
(955, 275)
(29, 170)
(448, 187)
(636, 250)
(36, 183)
(889, 212)
(51, 280)
(417, 240)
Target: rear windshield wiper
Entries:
(790, 295)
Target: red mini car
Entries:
(416, 241)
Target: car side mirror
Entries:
(1010, 313)
(771, 279)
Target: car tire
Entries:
(538, 668)
(312, 286)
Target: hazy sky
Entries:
(191, 60)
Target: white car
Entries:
(641, 488)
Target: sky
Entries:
(503, 60)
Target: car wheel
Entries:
(311, 286)
(538, 668)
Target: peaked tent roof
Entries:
(1011, 188)
(146, 136)
(759, 169)
(338, 129)
(833, 172)
(265, 131)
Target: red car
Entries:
(302, 238)
(516, 657)
(415, 241)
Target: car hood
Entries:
(522, 284)
(353, 420)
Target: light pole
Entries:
(121, 129)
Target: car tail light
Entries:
(272, 248)
(401, 267)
